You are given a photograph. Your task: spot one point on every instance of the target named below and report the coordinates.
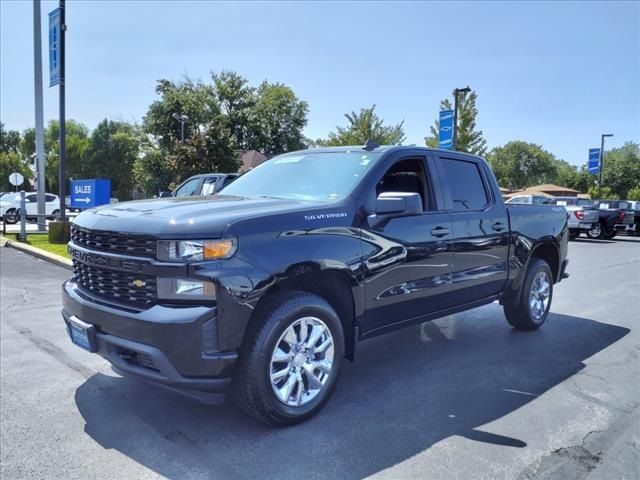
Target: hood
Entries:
(185, 216)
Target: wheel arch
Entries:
(549, 252)
(331, 285)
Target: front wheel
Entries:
(290, 361)
(11, 216)
(530, 310)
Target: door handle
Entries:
(498, 226)
(440, 232)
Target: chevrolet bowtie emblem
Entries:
(139, 283)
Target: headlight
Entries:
(196, 250)
(185, 289)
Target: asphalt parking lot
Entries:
(462, 397)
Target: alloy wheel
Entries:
(301, 361)
(539, 295)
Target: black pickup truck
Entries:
(266, 287)
(614, 216)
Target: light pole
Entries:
(602, 160)
(182, 119)
(455, 113)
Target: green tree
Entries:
(605, 193)
(112, 150)
(209, 145)
(621, 169)
(281, 116)
(519, 164)
(77, 142)
(362, 126)
(10, 161)
(9, 140)
(469, 139)
(634, 194)
(237, 100)
(151, 170)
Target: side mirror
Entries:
(398, 204)
(165, 194)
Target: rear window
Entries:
(467, 187)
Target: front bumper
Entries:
(170, 345)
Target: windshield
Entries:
(314, 176)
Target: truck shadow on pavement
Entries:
(405, 392)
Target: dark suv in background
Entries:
(205, 184)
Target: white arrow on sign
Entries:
(83, 200)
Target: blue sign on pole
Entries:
(54, 47)
(445, 135)
(594, 161)
(90, 193)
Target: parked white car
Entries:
(10, 206)
(528, 200)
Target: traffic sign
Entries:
(594, 161)
(445, 135)
(54, 47)
(16, 179)
(90, 193)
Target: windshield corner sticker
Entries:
(324, 216)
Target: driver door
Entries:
(407, 258)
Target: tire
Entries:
(54, 214)
(573, 234)
(597, 231)
(11, 216)
(258, 374)
(523, 314)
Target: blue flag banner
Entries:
(594, 161)
(54, 47)
(445, 135)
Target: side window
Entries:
(406, 176)
(209, 186)
(540, 200)
(50, 198)
(31, 198)
(467, 187)
(187, 188)
(228, 180)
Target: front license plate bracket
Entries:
(82, 334)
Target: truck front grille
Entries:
(131, 289)
(135, 245)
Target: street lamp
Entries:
(182, 119)
(455, 113)
(602, 160)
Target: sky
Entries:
(557, 74)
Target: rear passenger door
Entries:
(480, 228)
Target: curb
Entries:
(37, 252)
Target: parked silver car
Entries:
(581, 214)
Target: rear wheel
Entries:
(55, 214)
(597, 231)
(530, 309)
(289, 364)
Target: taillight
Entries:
(579, 214)
(621, 214)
